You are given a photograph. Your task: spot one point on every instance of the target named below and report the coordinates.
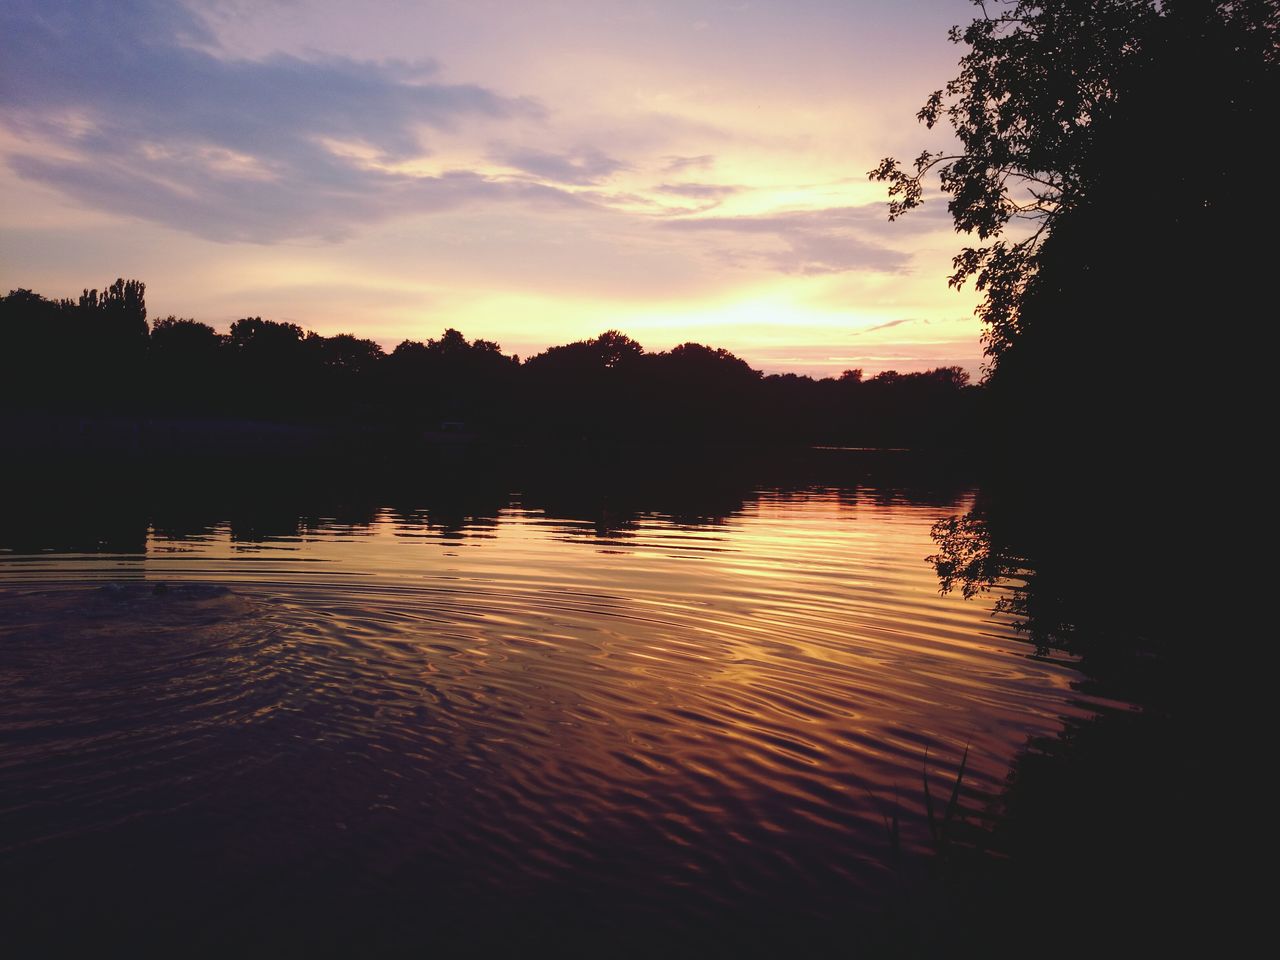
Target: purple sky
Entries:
(528, 172)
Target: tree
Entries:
(253, 334)
(616, 349)
(184, 362)
(345, 352)
(182, 336)
(1036, 107)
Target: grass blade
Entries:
(890, 821)
(928, 798)
(954, 803)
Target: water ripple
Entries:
(708, 709)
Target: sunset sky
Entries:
(528, 172)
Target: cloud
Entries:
(136, 112)
(887, 325)
(699, 191)
(805, 242)
(580, 168)
(677, 164)
(230, 209)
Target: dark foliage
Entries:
(1113, 121)
(1109, 172)
(1109, 161)
(98, 357)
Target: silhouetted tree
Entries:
(185, 360)
(340, 375)
(122, 307)
(30, 330)
(179, 335)
(345, 352)
(698, 391)
(268, 369)
(604, 390)
(1043, 109)
(586, 389)
(65, 354)
(253, 335)
(1109, 162)
(451, 380)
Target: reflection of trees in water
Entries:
(96, 507)
(448, 517)
(968, 559)
(618, 511)
(1085, 572)
(1097, 818)
(1043, 567)
(78, 529)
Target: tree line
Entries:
(98, 355)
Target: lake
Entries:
(466, 726)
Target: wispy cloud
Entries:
(678, 164)
(803, 242)
(888, 325)
(699, 191)
(584, 167)
(136, 112)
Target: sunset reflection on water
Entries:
(427, 721)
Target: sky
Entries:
(527, 171)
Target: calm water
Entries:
(498, 729)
